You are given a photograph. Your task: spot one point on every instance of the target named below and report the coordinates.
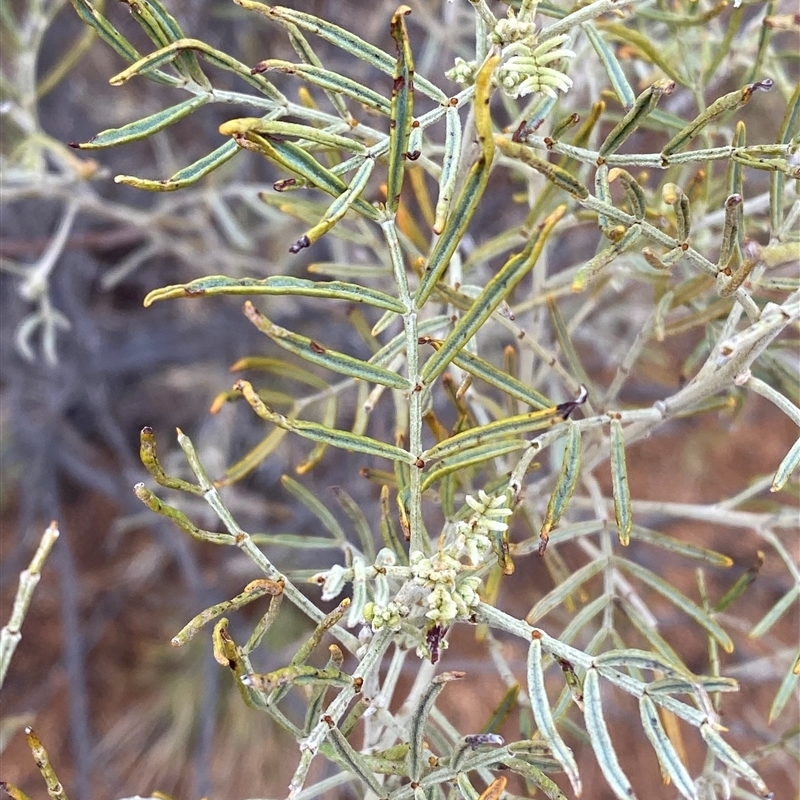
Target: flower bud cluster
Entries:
(473, 535)
(448, 599)
(525, 67)
(463, 72)
(526, 63)
(512, 29)
(437, 581)
(388, 616)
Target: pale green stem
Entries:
(410, 325)
(28, 579)
(309, 747)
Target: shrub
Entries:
(504, 334)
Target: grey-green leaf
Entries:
(276, 285)
(188, 175)
(540, 705)
(667, 755)
(725, 753)
(681, 601)
(143, 128)
(600, 738)
(619, 484)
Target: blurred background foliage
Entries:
(83, 367)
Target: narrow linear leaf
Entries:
(579, 621)
(143, 128)
(317, 696)
(152, 13)
(312, 351)
(732, 229)
(492, 432)
(450, 161)
(15, 793)
(536, 776)
(354, 715)
(320, 433)
(315, 506)
(648, 48)
(673, 545)
(786, 467)
(253, 459)
(41, 758)
(402, 109)
(388, 529)
(469, 458)
(328, 420)
(281, 368)
(741, 584)
(619, 484)
(330, 620)
(463, 209)
(790, 123)
(471, 192)
(558, 176)
(148, 454)
(677, 685)
(503, 709)
(725, 753)
(566, 345)
(666, 753)
(419, 719)
(328, 80)
(306, 134)
(294, 158)
(729, 102)
(498, 289)
(634, 194)
(466, 789)
(294, 540)
(188, 175)
(631, 684)
(645, 103)
(682, 602)
(397, 344)
(508, 384)
(786, 690)
(359, 521)
(540, 706)
(145, 66)
(735, 176)
(343, 39)
(303, 49)
(253, 591)
(679, 201)
(340, 269)
(600, 738)
(276, 285)
(775, 613)
(142, 12)
(338, 208)
(631, 658)
(154, 503)
(560, 593)
(565, 485)
(563, 126)
(112, 37)
(589, 271)
(619, 83)
(564, 534)
(353, 760)
(297, 675)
